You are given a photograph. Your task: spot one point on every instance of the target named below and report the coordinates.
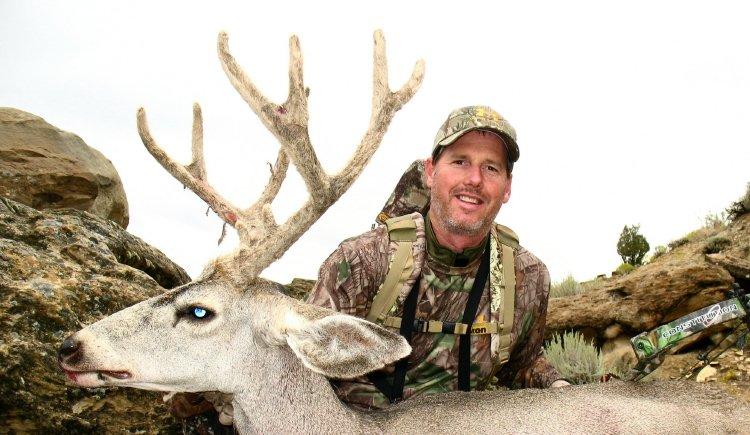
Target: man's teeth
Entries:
(468, 199)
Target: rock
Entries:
(679, 282)
(706, 373)
(59, 270)
(612, 331)
(618, 354)
(299, 288)
(736, 266)
(47, 168)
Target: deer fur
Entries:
(274, 355)
(233, 332)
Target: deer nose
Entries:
(69, 349)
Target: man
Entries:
(469, 176)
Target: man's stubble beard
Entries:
(456, 227)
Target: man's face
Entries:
(469, 182)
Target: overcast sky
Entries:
(627, 113)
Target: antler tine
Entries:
(297, 98)
(278, 173)
(288, 122)
(380, 88)
(385, 104)
(259, 216)
(192, 176)
(292, 125)
(254, 98)
(403, 95)
(198, 166)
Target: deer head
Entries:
(199, 336)
(196, 337)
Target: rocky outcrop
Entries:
(697, 271)
(47, 168)
(59, 270)
(643, 299)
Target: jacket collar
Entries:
(444, 255)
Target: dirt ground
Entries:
(730, 371)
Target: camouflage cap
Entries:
(469, 118)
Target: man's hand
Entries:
(184, 405)
(559, 383)
(223, 404)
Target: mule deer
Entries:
(234, 332)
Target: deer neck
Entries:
(285, 396)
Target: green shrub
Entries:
(624, 269)
(679, 242)
(716, 244)
(632, 246)
(577, 360)
(658, 252)
(739, 207)
(620, 368)
(715, 220)
(567, 287)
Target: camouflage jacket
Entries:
(349, 279)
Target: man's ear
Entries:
(506, 194)
(429, 171)
(342, 346)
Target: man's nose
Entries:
(474, 175)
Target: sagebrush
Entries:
(716, 244)
(739, 207)
(624, 269)
(658, 252)
(577, 360)
(567, 287)
(716, 220)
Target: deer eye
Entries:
(199, 313)
(196, 313)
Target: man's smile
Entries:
(469, 199)
(468, 202)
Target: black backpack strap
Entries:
(395, 392)
(470, 313)
(380, 380)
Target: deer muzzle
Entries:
(71, 359)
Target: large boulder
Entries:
(59, 270)
(45, 167)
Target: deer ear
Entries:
(342, 346)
